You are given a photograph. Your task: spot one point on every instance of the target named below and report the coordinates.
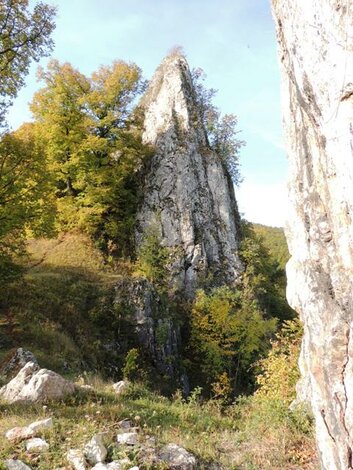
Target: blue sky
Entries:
(233, 41)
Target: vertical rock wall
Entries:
(315, 39)
(188, 195)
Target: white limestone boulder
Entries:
(20, 433)
(177, 458)
(36, 445)
(128, 438)
(95, 451)
(12, 464)
(120, 387)
(32, 384)
(76, 459)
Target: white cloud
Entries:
(263, 203)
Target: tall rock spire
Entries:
(188, 195)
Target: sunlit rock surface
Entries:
(188, 195)
(316, 55)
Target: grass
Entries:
(242, 436)
(62, 311)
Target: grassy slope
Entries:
(56, 305)
(57, 309)
(265, 437)
(275, 242)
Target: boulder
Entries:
(14, 362)
(12, 464)
(128, 438)
(32, 430)
(77, 459)
(120, 387)
(36, 445)
(41, 425)
(115, 465)
(95, 451)
(177, 458)
(32, 384)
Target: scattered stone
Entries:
(119, 464)
(32, 384)
(86, 387)
(115, 465)
(95, 451)
(134, 468)
(121, 387)
(128, 438)
(41, 425)
(15, 361)
(21, 433)
(18, 434)
(36, 445)
(177, 457)
(76, 458)
(12, 464)
(125, 424)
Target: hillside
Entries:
(131, 263)
(275, 242)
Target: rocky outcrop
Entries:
(152, 323)
(188, 195)
(316, 54)
(14, 361)
(33, 384)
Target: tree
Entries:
(94, 148)
(227, 336)
(24, 36)
(221, 130)
(264, 279)
(26, 199)
(59, 108)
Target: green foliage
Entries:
(94, 149)
(221, 130)
(25, 36)
(264, 281)
(271, 436)
(227, 335)
(153, 257)
(274, 240)
(279, 370)
(26, 202)
(131, 364)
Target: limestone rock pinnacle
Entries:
(188, 195)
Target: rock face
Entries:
(33, 384)
(156, 333)
(188, 195)
(316, 53)
(14, 362)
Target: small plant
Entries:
(153, 257)
(131, 364)
(222, 388)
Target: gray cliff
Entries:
(188, 194)
(316, 55)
